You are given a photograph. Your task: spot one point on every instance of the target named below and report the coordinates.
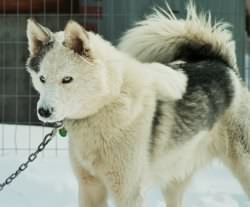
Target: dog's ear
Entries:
(37, 36)
(76, 38)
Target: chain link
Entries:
(48, 137)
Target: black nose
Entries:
(44, 112)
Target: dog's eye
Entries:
(67, 79)
(42, 79)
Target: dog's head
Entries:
(67, 70)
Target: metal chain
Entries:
(48, 137)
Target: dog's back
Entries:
(215, 99)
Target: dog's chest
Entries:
(84, 148)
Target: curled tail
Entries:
(164, 38)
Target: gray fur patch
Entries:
(209, 93)
(34, 62)
(158, 113)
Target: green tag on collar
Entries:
(63, 132)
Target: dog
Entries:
(165, 103)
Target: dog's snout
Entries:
(45, 112)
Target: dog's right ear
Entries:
(77, 39)
(37, 36)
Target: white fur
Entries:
(162, 33)
(158, 38)
(169, 83)
(108, 109)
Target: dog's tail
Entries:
(164, 38)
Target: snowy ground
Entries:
(49, 181)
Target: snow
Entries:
(50, 182)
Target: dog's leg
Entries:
(243, 173)
(92, 192)
(174, 192)
(237, 153)
(240, 166)
(129, 193)
(133, 198)
(127, 183)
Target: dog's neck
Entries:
(125, 96)
(126, 89)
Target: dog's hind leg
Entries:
(174, 191)
(239, 163)
(237, 156)
(240, 166)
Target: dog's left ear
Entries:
(76, 38)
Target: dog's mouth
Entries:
(56, 124)
(50, 121)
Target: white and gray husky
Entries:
(166, 103)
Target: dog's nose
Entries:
(44, 112)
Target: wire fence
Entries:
(17, 97)
(20, 130)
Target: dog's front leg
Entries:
(127, 189)
(134, 198)
(92, 193)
